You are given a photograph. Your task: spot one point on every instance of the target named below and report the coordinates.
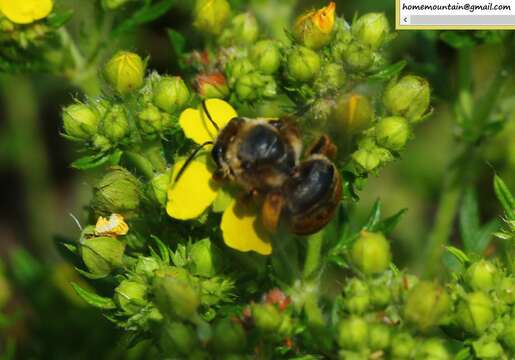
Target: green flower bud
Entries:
(432, 349)
(378, 337)
(151, 121)
(211, 15)
(171, 94)
(237, 68)
(115, 126)
(352, 114)
(130, 296)
(371, 253)
(80, 121)
(392, 132)
(178, 338)
(369, 159)
(315, 28)
(101, 255)
(343, 39)
(371, 29)
(254, 85)
(380, 295)
(353, 333)
(358, 57)
(357, 299)
(117, 192)
(125, 72)
(243, 30)
(146, 266)
(102, 143)
(426, 305)
(507, 290)
(303, 64)
(403, 346)
(266, 317)
(266, 56)
(212, 86)
(408, 97)
(228, 337)
(508, 335)
(481, 275)
(487, 348)
(160, 184)
(475, 312)
(175, 298)
(205, 258)
(113, 4)
(332, 77)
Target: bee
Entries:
(263, 157)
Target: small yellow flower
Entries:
(195, 191)
(26, 11)
(113, 226)
(314, 29)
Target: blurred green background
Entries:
(40, 317)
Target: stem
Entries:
(67, 41)
(314, 248)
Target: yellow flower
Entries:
(195, 191)
(26, 11)
(314, 29)
(113, 226)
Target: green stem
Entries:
(313, 254)
(141, 163)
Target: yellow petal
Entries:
(113, 226)
(243, 231)
(25, 11)
(196, 124)
(192, 194)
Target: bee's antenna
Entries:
(209, 115)
(191, 157)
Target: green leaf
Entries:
(387, 225)
(94, 161)
(389, 72)
(93, 299)
(163, 249)
(89, 275)
(505, 197)
(58, 18)
(146, 14)
(457, 40)
(483, 236)
(374, 217)
(469, 219)
(178, 41)
(458, 254)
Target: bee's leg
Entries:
(271, 210)
(324, 146)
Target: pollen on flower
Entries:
(112, 226)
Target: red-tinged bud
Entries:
(212, 85)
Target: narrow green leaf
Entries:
(469, 219)
(458, 254)
(178, 41)
(58, 18)
(89, 275)
(505, 197)
(146, 14)
(387, 225)
(483, 236)
(163, 249)
(93, 299)
(389, 72)
(91, 161)
(71, 247)
(375, 216)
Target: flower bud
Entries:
(432, 349)
(211, 15)
(508, 335)
(369, 159)
(507, 290)
(205, 258)
(357, 299)
(146, 266)
(212, 86)
(380, 295)
(475, 312)
(378, 337)
(481, 275)
(125, 72)
(115, 126)
(343, 38)
(175, 298)
(102, 254)
(303, 64)
(228, 337)
(392, 132)
(266, 56)
(371, 253)
(358, 57)
(101, 143)
(151, 121)
(352, 114)
(243, 30)
(403, 346)
(130, 296)
(266, 317)
(113, 4)
(315, 28)
(80, 121)
(117, 192)
(352, 333)
(160, 184)
(408, 97)
(371, 29)
(178, 338)
(488, 348)
(331, 78)
(426, 305)
(171, 94)
(254, 85)
(237, 68)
